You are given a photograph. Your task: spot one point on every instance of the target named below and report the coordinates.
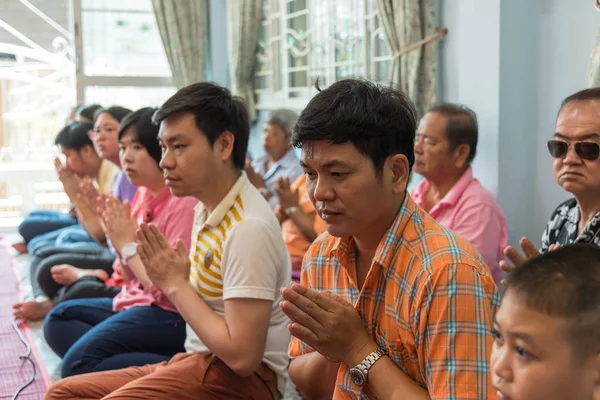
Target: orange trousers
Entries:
(185, 376)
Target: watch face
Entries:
(357, 376)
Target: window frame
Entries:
(278, 95)
(82, 80)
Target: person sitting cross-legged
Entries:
(445, 147)
(139, 325)
(227, 287)
(391, 305)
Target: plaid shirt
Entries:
(428, 298)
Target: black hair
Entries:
(145, 131)
(88, 111)
(461, 126)
(215, 111)
(564, 283)
(582, 95)
(379, 121)
(75, 136)
(117, 112)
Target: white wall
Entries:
(513, 61)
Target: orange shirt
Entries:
(295, 241)
(428, 298)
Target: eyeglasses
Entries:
(585, 150)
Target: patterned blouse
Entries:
(562, 227)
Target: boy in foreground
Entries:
(547, 330)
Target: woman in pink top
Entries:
(139, 326)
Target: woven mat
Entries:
(14, 371)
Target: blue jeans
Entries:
(39, 222)
(91, 337)
(74, 237)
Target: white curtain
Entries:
(183, 29)
(412, 31)
(243, 24)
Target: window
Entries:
(37, 93)
(121, 56)
(301, 41)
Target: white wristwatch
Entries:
(128, 251)
(358, 374)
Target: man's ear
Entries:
(400, 172)
(461, 154)
(224, 145)
(87, 151)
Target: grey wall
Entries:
(513, 61)
(218, 69)
(566, 31)
(518, 117)
(469, 58)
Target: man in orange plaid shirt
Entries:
(391, 304)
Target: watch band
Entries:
(359, 373)
(290, 210)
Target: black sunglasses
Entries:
(585, 150)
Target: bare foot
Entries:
(20, 247)
(64, 274)
(32, 310)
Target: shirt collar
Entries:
(225, 205)
(452, 197)
(343, 247)
(288, 159)
(149, 206)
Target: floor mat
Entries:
(14, 371)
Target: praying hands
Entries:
(120, 226)
(327, 323)
(166, 268)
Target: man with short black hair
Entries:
(392, 305)
(445, 146)
(227, 288)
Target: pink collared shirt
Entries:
(174, 217)
(472, 212)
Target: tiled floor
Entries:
(51, 360)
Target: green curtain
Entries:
(406, 22)
(183, 27)
(243, 24)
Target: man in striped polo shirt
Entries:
(227, 290)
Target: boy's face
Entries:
(533, 357)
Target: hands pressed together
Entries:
(327, 323)
(120, 226)
(168, 269)
(70, 181)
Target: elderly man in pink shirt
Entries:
(445, 146)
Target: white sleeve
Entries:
(251, 261)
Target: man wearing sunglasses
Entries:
(575, 150)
